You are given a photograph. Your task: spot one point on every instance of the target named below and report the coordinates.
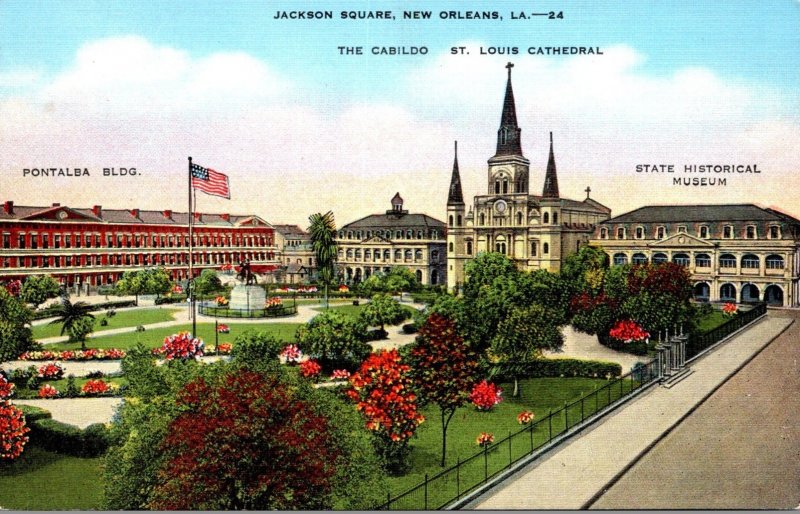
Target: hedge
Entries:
(62, 438)
(176, 298)
(33, 413)
(558, 368)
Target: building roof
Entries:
(395, 221)
(550, 189)
(699, 213)
(508, 137)
(98, 214)
(455, 196)
(292, 231)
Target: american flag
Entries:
(209, 181)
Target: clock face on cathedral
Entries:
(500, 206)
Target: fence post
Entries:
(426, 491)
(458, 478)
(509, 447)
(486, 462)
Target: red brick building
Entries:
(95, 246)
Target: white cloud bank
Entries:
(126, 102)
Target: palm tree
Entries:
(77, 320)
(323, 240)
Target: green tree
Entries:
(492, 289)
(256, 349)
(383, 310)
(334, 339)
(207, 282)
(38, 289)
(323, 241)
(585, 268)
(146, 281)
(76, 319)
(443, 368)
(524, 335)
(400, 279)
(15, 332)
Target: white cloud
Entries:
(125, 101)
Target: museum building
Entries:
(376, 243)
(95, 246)
(534, 231)
(298, 260)
(734, 252)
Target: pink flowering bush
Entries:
(291, 354)
(340, 374)
(223, 329)
(50, 371)
(48, 391)
(180, 346)
(74, 355)
(485, 395)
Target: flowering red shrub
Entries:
(51, 371)
(273, 303)
(628, 331)
(180, 346)
(94, 386)
(382, 390)
(525, 417)
(13, 287)
(729, 309)
(485, 395)
(223, 329)
(221, 301)
(310, 368)
(48, 391)
(6, 388)
(484, 439)
(246, 441)
(224, 348)
(12, 431)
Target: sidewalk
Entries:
(572, 474)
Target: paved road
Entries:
(739, 450)
(572, 474)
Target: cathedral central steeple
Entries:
(456, 196)
(551, 179)
(508, 136)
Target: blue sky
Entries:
(300, 128)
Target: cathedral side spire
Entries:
(508, 136)
(551, 179)
(456, 196)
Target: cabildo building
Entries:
(94, 246)
(734, 252)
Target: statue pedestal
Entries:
(247, 298)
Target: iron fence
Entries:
(453, 483)
(225, 312)
(699, 343)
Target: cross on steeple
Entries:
(508, 67)
(588, 190)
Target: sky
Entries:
(300, 128)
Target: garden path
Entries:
(80, 412)
(572, 474)
(583, 346)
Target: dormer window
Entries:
(661, 233)
(727, 232)
(774, 232)
(620, 232)
(750, 232)
(703, 233)
(639, 232)
(682, 229)
(603, 233)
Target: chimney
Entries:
(97, 210)
(168, 214)
(135, 213)
(56, 204)
(8, 207)
(226, 217)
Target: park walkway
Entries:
(572, 474)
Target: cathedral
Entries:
(534, 231)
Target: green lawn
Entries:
(539, 395)
(205, 331)
(130, 318)
(712, 321)
(354, 310)
(44, 480)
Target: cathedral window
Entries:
(497, 187)
(482, 219)
(451, 220)
(555, 218)
(533, 249)
(469, 247)
(546, 218)
(505, 186)
(545, 248)
(519, 218)
(458, 223)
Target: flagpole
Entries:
(191, 244)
